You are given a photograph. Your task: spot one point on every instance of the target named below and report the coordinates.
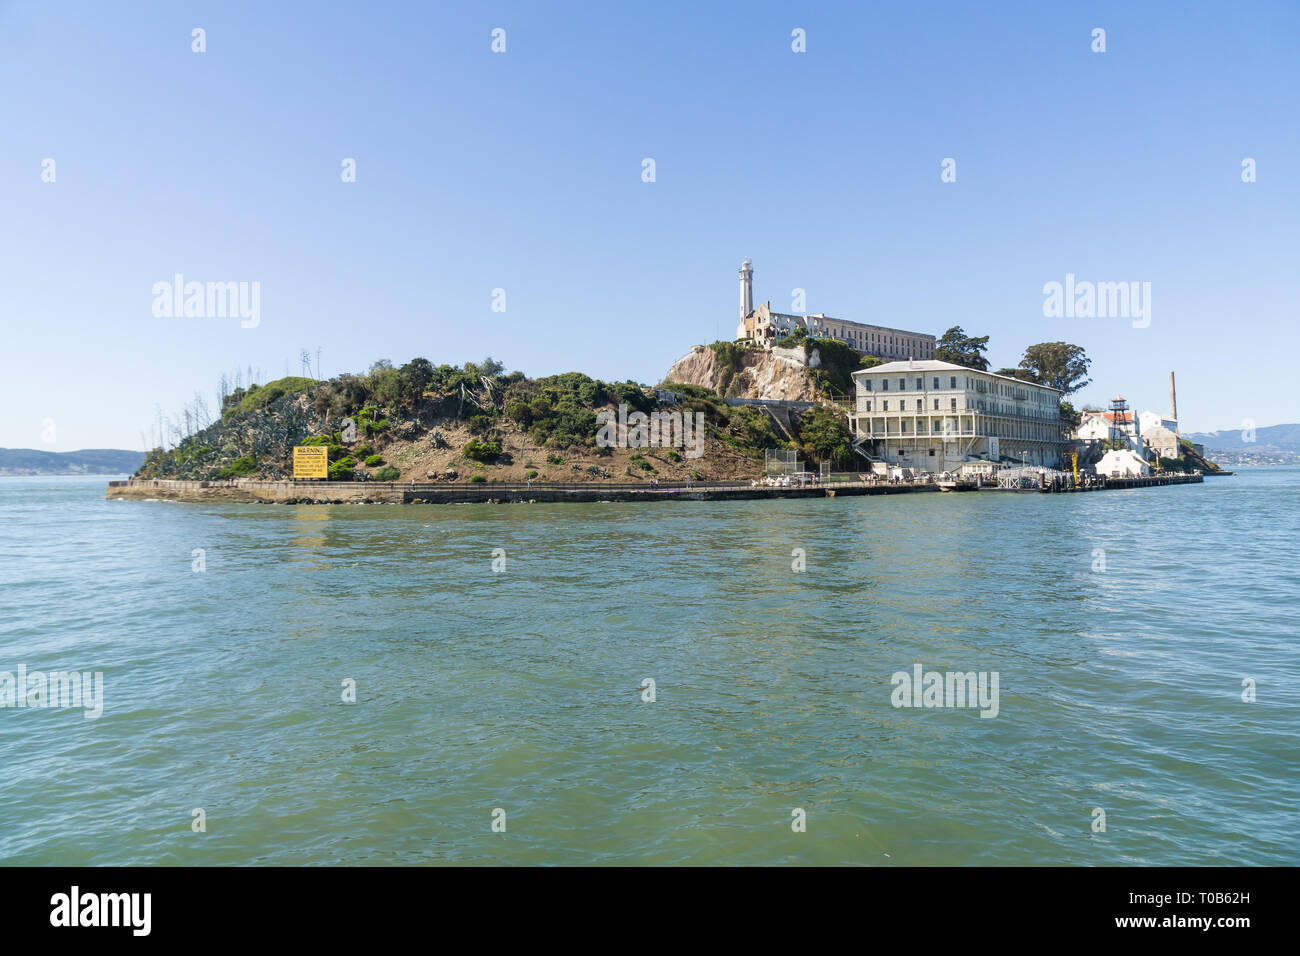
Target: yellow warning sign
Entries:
(311, 461)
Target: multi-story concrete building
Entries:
(934, 416)
(765, 327)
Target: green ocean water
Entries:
(1119, 689)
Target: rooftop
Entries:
(934, 365)
(1124, 417)
(823, 317)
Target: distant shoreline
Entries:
(64, 474)
(101, 462)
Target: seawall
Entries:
(442, 492)
(379, 492)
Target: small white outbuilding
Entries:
(1122, 463)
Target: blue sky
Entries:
(522, 171)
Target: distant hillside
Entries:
(1278, 437)
(88, 461)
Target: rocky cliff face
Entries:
(779, 374)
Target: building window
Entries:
(920, 384)
(954, 404)
(936, 381)
(952, 382)
(868, 406)
(885, 405)
(866, 384)
(931, 452)
(920, 404)
(936, 404)
(884, 384)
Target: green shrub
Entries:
(794, 339)
(387, 473)
(259, 396)
(484, 451)
(369, 422)
(672, 456)
(477, 478)
(372, 460)
(363, 451)
(752, 428)
(184, 454)
(839, 361)
(531, 474)
(239, 468)
(555, 459)
(521, 412)
(342, 470)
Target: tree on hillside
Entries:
(488, 368)
(961, 349)
(825, 436)
(1059, 365)
(1070, 416)
(1023, 374)
(418, 373)
(386, 384)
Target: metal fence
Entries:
(781, 461)
(1029, 476)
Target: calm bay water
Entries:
(1119, 689)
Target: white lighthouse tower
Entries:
(746, 290)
